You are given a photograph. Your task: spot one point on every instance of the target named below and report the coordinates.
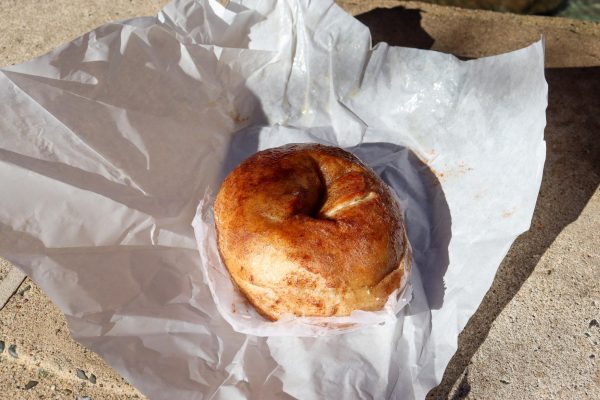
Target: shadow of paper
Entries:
(427, 216)
(571, 176)
(396, 26)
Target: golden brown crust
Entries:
(309, 230)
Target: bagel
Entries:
(308, 230)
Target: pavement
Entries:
(537, 332)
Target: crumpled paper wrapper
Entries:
(109, 142)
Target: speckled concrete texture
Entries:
(545, 344)
(534, 336)
(472, 33)
(31, 28)
(537, 332)
(47, 358)
(11, 279)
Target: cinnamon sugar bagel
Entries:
(308, 230)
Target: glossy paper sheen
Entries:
(109, 143)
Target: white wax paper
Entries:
(108, 143)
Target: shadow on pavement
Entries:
(571, 175)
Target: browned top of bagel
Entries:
(309, 230)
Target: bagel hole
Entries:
(322, 196)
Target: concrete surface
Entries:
(11, 280)
(47, 354)
(537, 332)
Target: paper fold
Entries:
(109, 142)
